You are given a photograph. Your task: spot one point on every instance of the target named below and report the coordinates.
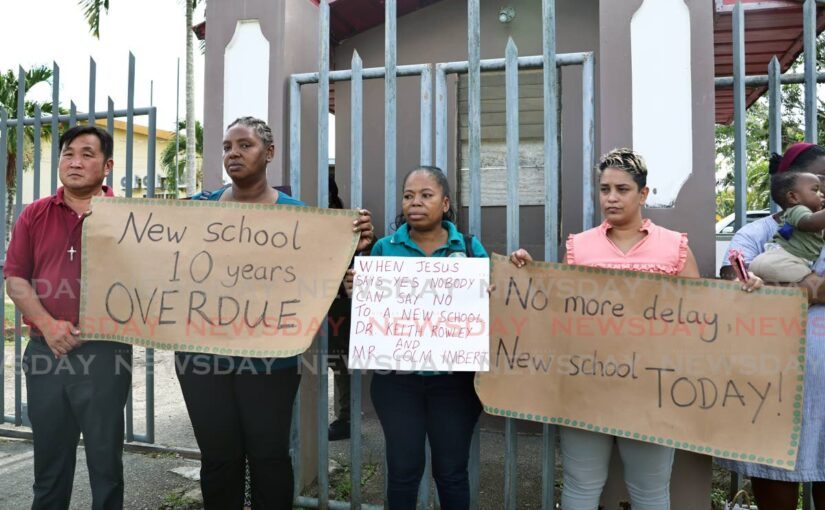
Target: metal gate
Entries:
(438, 137)
(54, 123)
(434, 134)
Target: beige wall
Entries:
(695, 208)
(139, 163)
(290, 26)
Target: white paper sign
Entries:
(418, 313)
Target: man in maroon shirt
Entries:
(73, 387)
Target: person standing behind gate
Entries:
(339, 324)
(72, 387)
(778, 489)
(440, 406)
(626, 241)
(241, 408)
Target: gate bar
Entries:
(38, 133)
(774, 113)
(85, 116)
(369, 73)
(3, 233)
(512, 136)
(390, 114)
(322, 167)
(356, 201)
(552, 196)
(740, 155)
(809, 37)
(55, 119)
(92, 86)
(18, 208)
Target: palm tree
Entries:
(190, 100)
(9, 92)
(92, 8)
(170, 156)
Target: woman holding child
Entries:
(786, 247)
(625, 240)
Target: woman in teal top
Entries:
(440, 406)
(241, 408)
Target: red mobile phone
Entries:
(737, 262)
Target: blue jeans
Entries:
(586, 458)
(443, 408)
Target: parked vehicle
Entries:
(725, 228)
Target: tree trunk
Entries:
(191, 171)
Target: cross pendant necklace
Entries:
(70, 230)
(69, 235)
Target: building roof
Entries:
(351, 17)
(160, 134)
(771, 28)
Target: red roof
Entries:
(351, 17)
(771, 28)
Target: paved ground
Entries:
(157, 481)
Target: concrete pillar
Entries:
(694, 205)
(284, 32)
(288, 28)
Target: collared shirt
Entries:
(45, 251)
(660, 251)
(400, 244)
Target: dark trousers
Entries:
(338, 327)
(82, 392)
(237, 417)
(443, 408)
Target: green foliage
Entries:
(167, 157)
(756, 132)
(341, 485)
(91, 11)
(9, 94)
(179, 501)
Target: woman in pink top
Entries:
(624, 240)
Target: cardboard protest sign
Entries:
(420, 313)
(219, 277)
(688, 363)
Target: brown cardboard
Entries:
(689, 363)
(198, 275)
